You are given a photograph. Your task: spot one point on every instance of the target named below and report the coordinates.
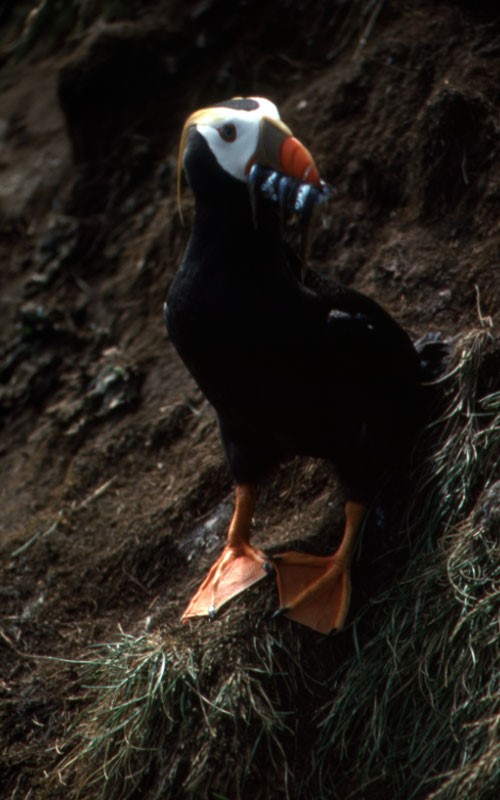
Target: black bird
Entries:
(291, 367)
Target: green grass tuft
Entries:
(182, 721)
(142, 690)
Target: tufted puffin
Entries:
(292, 366)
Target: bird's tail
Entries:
(434, 351)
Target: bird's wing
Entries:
(362, 354)
(360, 329)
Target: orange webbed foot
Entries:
(314, 590)
(238, 568)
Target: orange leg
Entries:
(316, 590)
(239, 566)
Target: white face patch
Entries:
(233, 156)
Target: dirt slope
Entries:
(114, 490)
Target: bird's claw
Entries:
(280, 612)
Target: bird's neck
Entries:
(231, 235)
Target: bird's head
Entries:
(219, 145)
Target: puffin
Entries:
(293, 363)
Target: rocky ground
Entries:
(114, 490)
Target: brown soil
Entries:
(111, 460)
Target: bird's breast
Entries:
(246, 346)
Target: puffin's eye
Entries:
(227, 132)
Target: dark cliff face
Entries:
(115, 492)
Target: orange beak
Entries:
(297, 161)
(278, 149)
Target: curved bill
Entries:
(278, 149)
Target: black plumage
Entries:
(292, 367)
(315, 369)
